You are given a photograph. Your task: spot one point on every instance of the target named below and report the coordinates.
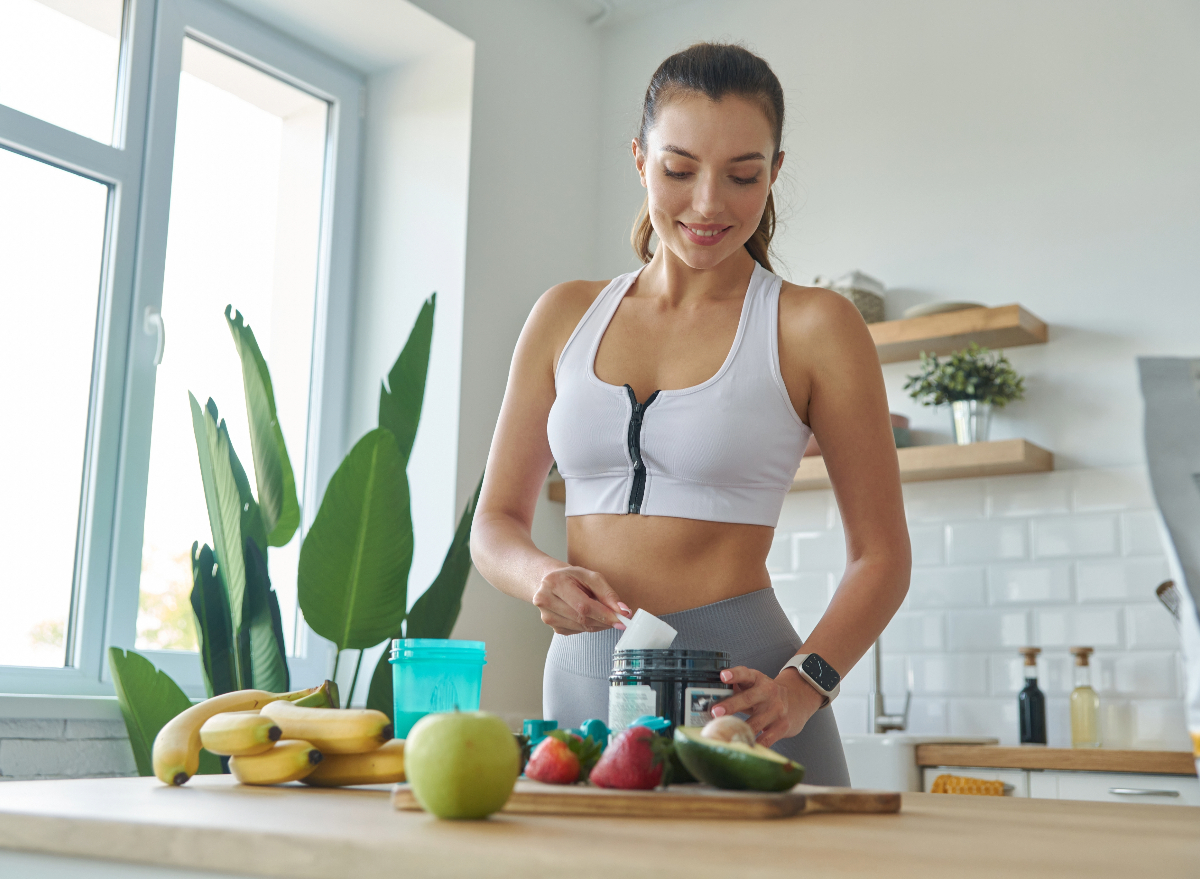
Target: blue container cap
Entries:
(438, 648)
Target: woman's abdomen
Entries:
(664, 564)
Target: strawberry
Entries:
(553, 763)
(635, 760)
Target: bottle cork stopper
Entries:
(1030, 654)
(1081, 654)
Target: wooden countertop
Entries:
(215, 824)
(1073, 759)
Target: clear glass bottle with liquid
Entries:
(1031, 703)
(1085, 704)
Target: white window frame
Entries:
(137, 168)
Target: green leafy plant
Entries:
(352, 581)
(354, 562)
(974, 373)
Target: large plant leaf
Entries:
(211, 607)
(435, 612)
(272, 467)
(264, 626)
(354, 562)
(252, 520)
(223, 498)
(148, 699)
(400, 398)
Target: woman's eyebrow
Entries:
(680, 151)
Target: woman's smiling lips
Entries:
(704, 235)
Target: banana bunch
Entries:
(176, 752)
(275, 738)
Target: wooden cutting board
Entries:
(680, 801)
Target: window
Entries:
(159, 159)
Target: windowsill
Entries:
(16, 706)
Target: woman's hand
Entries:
(778, 707)
(574, 599)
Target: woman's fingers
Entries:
(601, 591)
(567, 603)
(757, 696)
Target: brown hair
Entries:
(714, 70)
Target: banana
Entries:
(289, 760)
(384, 765)
(332, 730)
(176, 752)
(325, 696)
(239, 733)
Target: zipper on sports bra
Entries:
(635, 449)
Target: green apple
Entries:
(461, 764)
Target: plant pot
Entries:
(969, 420)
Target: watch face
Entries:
(821, 672)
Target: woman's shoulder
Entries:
(814, 313)
(565, 304)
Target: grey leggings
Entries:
(754, 630)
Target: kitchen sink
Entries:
(888, 761)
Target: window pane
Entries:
(51, 249)
(58, 61)
(244, 229)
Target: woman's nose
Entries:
(706, 198)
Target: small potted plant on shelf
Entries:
(972, 381)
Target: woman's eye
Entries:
(677, 175)
(746, 181)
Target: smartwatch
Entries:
(817, 672)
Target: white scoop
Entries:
(645, 632)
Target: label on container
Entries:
(627, 703)
(698, 703)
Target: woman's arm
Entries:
(571, 599)
(831, 369)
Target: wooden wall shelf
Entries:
(1005, 326)
(920, 464)
(927, 463)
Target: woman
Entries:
(677, 401)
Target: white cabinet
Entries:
(1109, 787)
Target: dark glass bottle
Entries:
(1031, 704)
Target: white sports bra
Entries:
(722, 451)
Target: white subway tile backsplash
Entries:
(1030, 584)
(985, 717)
(1146, 674)
(1053, 560)
(820, 551)
(1140, 534)
(1126, 580)
(949, 675)
(807, 511)
(1074, 536)
(928, 544)
(1160, 724)
(919, 632)
(986, 541)
(1007, 675)
(1124, 488)
(926, 717)
(1078, 627)
(779, 557)
(808, 592)
(1150, 626)
(1038, 494)
(945, 587)
(972, 631)
(11, 728)
(939, 501)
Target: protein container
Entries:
(680, 685)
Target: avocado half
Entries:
(734, 765)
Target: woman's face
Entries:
(706, 166)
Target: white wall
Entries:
(532, 223)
